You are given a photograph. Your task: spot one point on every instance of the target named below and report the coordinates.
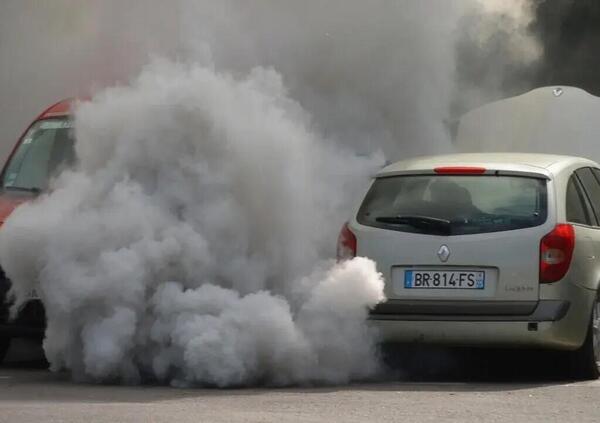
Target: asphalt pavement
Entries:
(30, 393)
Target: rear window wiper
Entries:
(425, 223)
(27, 189)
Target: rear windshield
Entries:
(46, 149)
(455, 205)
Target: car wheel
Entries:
(4, 346)
(585, 362)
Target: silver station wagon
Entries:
(496, 250)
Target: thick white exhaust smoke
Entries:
(190, 243)
(181, 247)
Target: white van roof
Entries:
(557, 120)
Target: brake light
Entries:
(459, 170)
(346, 246)
(556, 251)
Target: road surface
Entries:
(30, 393)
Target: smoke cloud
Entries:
(374, 76)
(190, 244)
(182, 245)
(497, 53)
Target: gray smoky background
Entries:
(383, 75)
(223, 147)
(567, 33)
(390, 75)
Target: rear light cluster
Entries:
(346, 246)
(556, 252)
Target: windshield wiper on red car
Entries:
(33, 190)
(425, 223)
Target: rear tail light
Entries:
(556, 251)
(346, 246)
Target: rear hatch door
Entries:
(452, 238)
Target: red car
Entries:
(46, 147)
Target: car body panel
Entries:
(59, 109)
(493, 251)
(585, 270)
(10, 201)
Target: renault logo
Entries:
(443, 253)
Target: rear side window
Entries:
(591, 187)
(455, 205)
(596, 173)
(576, 209)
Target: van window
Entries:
(46, 148)
(576, 207)
(455, 205)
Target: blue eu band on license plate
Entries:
(443, 279)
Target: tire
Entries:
(585, 361)
(4, 346)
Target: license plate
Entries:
(444, 279)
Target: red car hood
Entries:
(10, 201)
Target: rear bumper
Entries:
(472, 311)
(549, 324)
(476, 334)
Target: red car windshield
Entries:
(46, 149)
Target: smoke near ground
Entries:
(192, 242)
